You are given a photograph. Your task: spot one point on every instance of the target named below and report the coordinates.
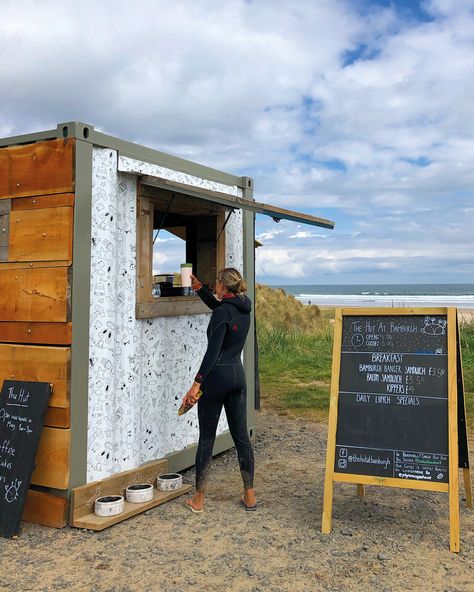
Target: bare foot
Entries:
(249, 497)
(196, 502)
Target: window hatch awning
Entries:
(235, 202)
(281, 214)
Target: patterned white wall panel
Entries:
(130, 165)
(138, 369)
(234, 245)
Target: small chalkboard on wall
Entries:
(22, 409)
(397, 415)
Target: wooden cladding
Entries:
(36, 242)
(41, 168)
(38, 333)
(52, 459)
(38, 364)
(41, 364)
(57, 417)
(37, 228)
(46, 509)
(41, 235)
(42, 201)
(35, 294)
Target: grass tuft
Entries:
(295, 350)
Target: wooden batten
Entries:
(58, 417)
(35, 294)
(170, 307)
(38, 364)
(46, 509)
(145, 247)
(40, 168)
(39, 202)
(30, 264)
(37, 333)
(52, 459)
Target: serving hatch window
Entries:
(175, 228)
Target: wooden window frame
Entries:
(148, 306)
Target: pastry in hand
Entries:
(185, 407)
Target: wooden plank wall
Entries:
(36, 240)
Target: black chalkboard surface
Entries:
(392, 418)
(22, 409)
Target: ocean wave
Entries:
(392, 300)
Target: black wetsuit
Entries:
(223, 383)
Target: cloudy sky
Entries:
(360, 111)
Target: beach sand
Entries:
(394, 540)
(466, 315)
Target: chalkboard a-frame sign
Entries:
(22, 409)
(397, 414)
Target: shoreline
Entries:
(354, 301)
(465, 315)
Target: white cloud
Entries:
(383, 144)
(269, 235)
(284, 263)
(306, 234)
(158, 239)
(301, 234)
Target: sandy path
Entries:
(395, 540)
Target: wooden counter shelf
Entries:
(93, 522)
(83, 497)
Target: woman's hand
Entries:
(195, 283)
(190, 398)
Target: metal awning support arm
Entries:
(162, 223)
(224, 225)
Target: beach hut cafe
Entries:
(82, 309)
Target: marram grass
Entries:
(295, 355)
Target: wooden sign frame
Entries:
(455, 399)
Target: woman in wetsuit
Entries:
(222, 381)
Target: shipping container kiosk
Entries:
(79, 211)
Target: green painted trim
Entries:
(28, 138)
(183, 459)
(249, 274)
(86, 133)
(80, 314)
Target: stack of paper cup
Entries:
(186, 271)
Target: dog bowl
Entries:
(109, 505)
(139, 492)
(169, 481)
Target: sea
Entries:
(389, 295)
